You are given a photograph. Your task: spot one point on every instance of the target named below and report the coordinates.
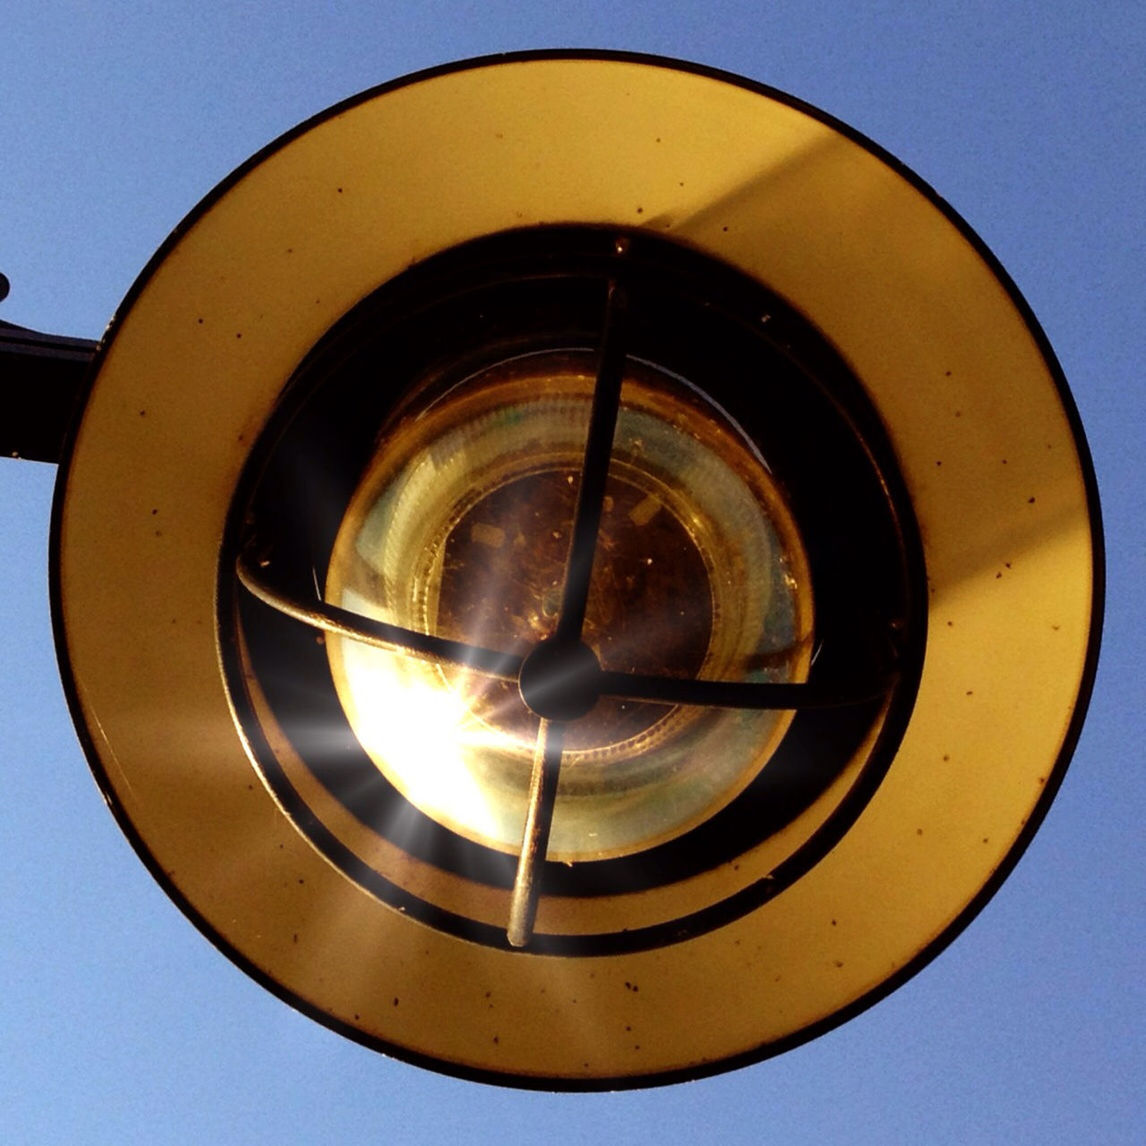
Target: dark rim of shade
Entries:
(928, 952)
(782, 384)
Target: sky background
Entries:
(120, 1023)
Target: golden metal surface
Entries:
(195, 363)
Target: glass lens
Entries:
(461, 527)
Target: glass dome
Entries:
(461, 527)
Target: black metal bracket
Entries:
(42, 380)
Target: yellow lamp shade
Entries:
(358, 383)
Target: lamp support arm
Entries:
(41, 384)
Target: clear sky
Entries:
(120, 1023)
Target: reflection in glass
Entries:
(461, 526)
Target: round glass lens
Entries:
(461, 527)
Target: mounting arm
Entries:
(41, 380)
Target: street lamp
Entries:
(576, 570)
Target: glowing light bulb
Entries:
(461, 527)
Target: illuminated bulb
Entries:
(461, 527)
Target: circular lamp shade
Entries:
(577, 571)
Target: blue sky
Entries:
(119, 1022)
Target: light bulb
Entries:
(460, 527)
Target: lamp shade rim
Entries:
(976, 407)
